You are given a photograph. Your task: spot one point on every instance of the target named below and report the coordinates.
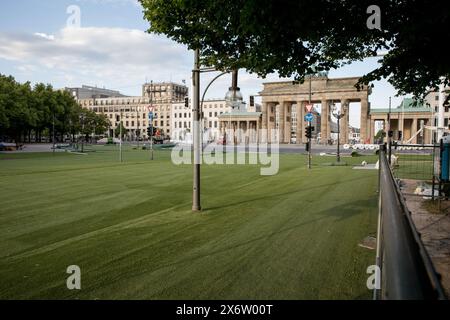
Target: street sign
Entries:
(309, 107)
(309, 117)
(150, 115)
(150, 108)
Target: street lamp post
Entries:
(233, 96)
(196, 136)
(53, 132)
(338, 114)
(150, 119)
(120, 135)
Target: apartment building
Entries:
(158, 97)
(181, 120)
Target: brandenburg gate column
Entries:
(414, 129)
(270, 124)
(364, 114)
(281, 123)
(287, 122)
(264, 121)
(344, 121)
(300, 123)
(324, 122)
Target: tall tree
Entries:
(299, 37)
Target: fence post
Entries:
(390, 151)
(379, 250)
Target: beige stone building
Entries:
(181, 120)
(411, 121)
(169, 92)
(134, 110)
(280, 99)
(406, 120)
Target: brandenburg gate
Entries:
(279, 99)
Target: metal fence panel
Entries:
(406, 270)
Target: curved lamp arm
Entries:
(207, 87)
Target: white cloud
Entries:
(105, 56)
(109, 2)
(45, 36)
(113, 57)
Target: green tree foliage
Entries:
(300, 37)
(124, 130)
(26, 112)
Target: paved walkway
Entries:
(35, 147)
(434, 229)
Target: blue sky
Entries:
(112, 50)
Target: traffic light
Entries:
(186, 102)
(308, 147)
(308, 132)
(400, 135)
(390, 133)
(252, 101)
(151, 131)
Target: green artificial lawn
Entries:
(130, 228)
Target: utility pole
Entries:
(196, 136)
(309, 125)
(53, 130)
(120, 134)
(441, 110)
(389, 133)
(138, 131)
(151, 120)
(338, 156)
(82, 132)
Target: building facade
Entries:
(168, 92)
(412, 121)
(134, 111)
(181, 120)
(279, 99)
